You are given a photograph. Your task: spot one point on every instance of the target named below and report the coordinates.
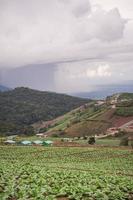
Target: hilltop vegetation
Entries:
(126, 96)
(124, 104)
(22, 107)
(123, 99)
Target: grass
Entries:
(108, 142)
(102, 142)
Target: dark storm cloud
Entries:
(41, 77)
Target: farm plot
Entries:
(53, 173)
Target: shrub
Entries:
(75, 121)
(121, 133)
(55, 135)
(42, 130)
(124, 141)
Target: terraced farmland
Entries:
(60, 173)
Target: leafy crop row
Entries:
(69, 173)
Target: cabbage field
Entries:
(62, 173)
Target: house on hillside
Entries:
(114, 106)
(100, 103)
(112, 100)
(41, 135)
(112, 131)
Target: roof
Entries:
(10, 141)
(11, 137)
(26, 142)
(37, 142)
(39, 134)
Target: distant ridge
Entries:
(4, 88)
(106, 90)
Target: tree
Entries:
(91, 140)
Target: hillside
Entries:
(78, 122)
(22, 107)
(93, 118)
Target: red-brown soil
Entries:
(119, 121)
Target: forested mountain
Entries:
(22, 107)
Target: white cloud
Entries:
(101, 25)
(82, 70)
(100, 71)
(125, 6)
(45, 31)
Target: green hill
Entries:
(21, 107)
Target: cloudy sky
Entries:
(89, 41)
